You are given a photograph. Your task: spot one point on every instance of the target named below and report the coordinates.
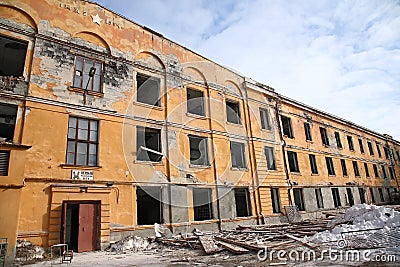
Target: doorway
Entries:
(80, 227)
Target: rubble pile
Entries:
(28, 253)
(129, 244)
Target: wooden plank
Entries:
(301, 241)
(208, 244)
(233, 248)
(238, 243)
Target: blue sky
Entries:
(342, 57)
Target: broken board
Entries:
(209, 245)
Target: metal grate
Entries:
(4, 160)
(292, 213)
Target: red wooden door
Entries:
(87, 227)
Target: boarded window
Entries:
(148, 89)
(371, 192)
(4, 162)
(88, 74)
(242, 201)
(233, 112)
(350, 142)
(276, 200)
(298, 198)
(148, 142)
(238, 156)
(376, 171)
(265, 120)
(324, 136)
(366, 169)
(149, 207)
(336, 197)
(381, 194)
(293, 163)
(82, 143)
(12, 56)
(287, 126)
(338, 140)
(355, 167)
(379, 150)
(344, 167)
(350, 198)
(318, 196)
(361, 192)
(195, 102)
(307, 131)
(198, 150)
(8, 115)
(202, 202)
(329, 166)
(270, 157)
(313, 164)
(370, 148)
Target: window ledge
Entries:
(272, 170)
(196, 116)
(148, 105)
(296, 173)
(310, 141)
(68, 166)
(314, 174)
(82, 91)
(200, 166)
(288, 136)
(234, 124)
(239, 169)
(266, 130)
(346, 176)
(331, 175)
(149, 162)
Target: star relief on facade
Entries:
(96, 19)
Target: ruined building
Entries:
(108, 127)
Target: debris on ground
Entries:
(162, 231)
(129, 244)
(28, 253)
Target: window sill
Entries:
(157, 163)
(296, 173)
(82, 91)
(266, 130)
(345, 176)
(331, 175)
(196, 116)
(288, 137)
(199, 166)
(67, 166)
(234, 124)
(271, 170)
(148, 105)
(239, 169)
(310, 141)
(314, 174)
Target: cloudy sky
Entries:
(342, 57)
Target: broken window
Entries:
(12, 56)
(8, 116)
(148, 89)
(238, 155)
(361, 145)
(379, 150)
(265, 122)
(356, 170)
(336, 197)
(391, 173)
(361, 192)
(233, 112)
(338, 141)
(149, 207)
(293, 163)
(270, 157)
(298, 198)
(386, 150)
(198, 150)
(307, 131)
(381, 194)
(148, 144)
(344, 167)
(82, 142)
(202, 204)
(318, 196)
(371, 192)
(366, 169)
(388, 193)
(384, 172)
(287, 126)
(242, 201)
(276, 200)
(350, 197)
(371, 150)
(350, 142)
(195, 102)
(376, 171)
(324, 136)
(4, 162)
(329, 166)
(313, 164)
(88, 74)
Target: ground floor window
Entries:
(149, 208)
(361, 191)
(202, 204)
(336, 197)
(350, 197)
(371, 191)
(242, 200)
(298, 198)
(276, 200)
(320, 200)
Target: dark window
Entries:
(265, 121)
(198, 150)
(148, 144)
(388, 193)
(149, 207)
(329, 166)
(313, 164)
(287, 127)
(8, 116)
(384, 172)
(355, 167)
(338, 141)
(293, 164)
(148, 89)
(386, 150)
(4, 162)
(88, 74)
(366, 169)
(344, 167)
(233, 112)
(350, 197)
(298, 198)
(276, 200)
(307, 131)
(242, 200)
(391, 173)
(350, 142)
(324, 136)
(398, 155)
(370, 148)
(195, 102)
(361, 146)
(12, 56)
(381, 194)
(371, 192)
(361, 192)
(238, 155)
(336, 197)
(318, 196)
(202, 204)
(82, 142)
(376, 172)
(379, 150)
(270, 157)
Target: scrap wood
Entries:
(301, 241)
(281, 243)
(241, 244)
(233, 248)
(209, 245)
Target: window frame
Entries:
(239, 191)
(324, 136)
(202, 102)
(287, 124)
(370, 148)
(376, 171)
(313, 164)
(206, 158)
(298, 196)
(330, 166)
(337, 202)
(265, 119)
(292, 157)
(5, 162)
(242, 154)
(338, 140)
(344, 167)
(361, 145)
(155, 79)
(138, 145)
(269, 159)
(90, 80)
(275, 200)
(229, 109)
(307, 131)
(366, 170)
(356, 169)
(350, 142)
(378, 149)
(208, 205)
(319, 198)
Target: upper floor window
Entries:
(366, 169)
(379, 150)
(238, 155)
(307, 131)
(329, 165)
(88, 74)
(376, 172)
(371, 150)
(82, 142)
(338, 141)
(148, 89)
(391, 173)
(356, 170)
(148, 144)
(12, 56)
(195, 102)
(287, 126)
(4, 162)
(198, 150)
(265, 121)
(324, 136)
(344, 167)
(8, 116)
(386, 150)
(313, 164)
(384, 172)
(360, 143)
(270, 156)
(293, 163)
(233, 112)
(350, 141)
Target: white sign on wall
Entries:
(82, 175)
